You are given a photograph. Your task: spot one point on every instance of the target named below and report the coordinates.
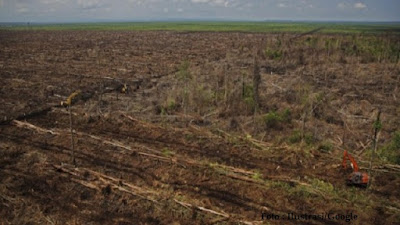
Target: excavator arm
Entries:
(353, 162)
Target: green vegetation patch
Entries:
(275, 119)
(391, 151)
(272, 27)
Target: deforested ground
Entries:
(191, 141)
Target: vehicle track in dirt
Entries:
(193, 179)
(134, 160)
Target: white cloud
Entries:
(179, 10)
(47, 2)
(136, 2)
(343, 5)
(360, 5)
(1, 3)
(212, 2)
(282, 5)
(152, 3)
(200, 1)
(165, 10)
(21, 7)
(347, 5)
(299, 5)
(89, 4)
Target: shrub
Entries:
(184, 76)
(286, 116)
(326, 187)
(301, 191)
(202, 98)
(396, 140)
(295, 137)
(248, 97)
(312, 42)
(248, 91)
(250, 103)
(171, 105)
(325, 147)
(273, 54)
(183, 72)
(329, 44)
(391, 152)
(167, 152)
(308, 138)
(272, 119)
(257, 176)
(167, 107)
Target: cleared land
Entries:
(185, 145)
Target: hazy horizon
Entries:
(83, 11)
(204, 20)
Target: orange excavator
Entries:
(356, 178)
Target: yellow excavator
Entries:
(77, 95)
(74, 97)
(124, 89)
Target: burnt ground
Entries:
(215, 165)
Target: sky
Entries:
(56, 11)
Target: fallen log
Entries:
(32, 127)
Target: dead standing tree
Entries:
(185, 76)
(72, 135)
(68, 103)
(226, 84)
(377, 128)
(256, 84)
(258, 55)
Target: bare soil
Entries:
(215, 165)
